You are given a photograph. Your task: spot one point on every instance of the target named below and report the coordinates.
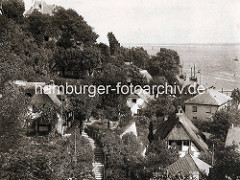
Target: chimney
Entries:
(180, 110)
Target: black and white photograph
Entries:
(119, 89)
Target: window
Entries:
(139, 111)
(175, 144)
(208, 109)
(134, 100)
(186, 143)
(194, 118)
(194, 109)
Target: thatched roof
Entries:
(190, 129)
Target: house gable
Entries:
(178, 133)
(131, 128)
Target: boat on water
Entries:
(236, 59)
(193, 76)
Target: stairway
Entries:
(98, 164)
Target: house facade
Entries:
(42, 7)
(138, 101)
(43, 94)
(180, 133)
(203, 106)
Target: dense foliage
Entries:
(33, 48)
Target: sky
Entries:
(159, 21)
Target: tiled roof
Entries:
(233, 137)
(209, 97)
(187, 165)
(192, 131)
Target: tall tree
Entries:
(236, 97)
(162, 106)
(73, 28)
(113, 43)
(159, 156)
(140, 57)
(165, 63)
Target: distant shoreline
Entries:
(183, 44)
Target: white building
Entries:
(138, 101)
(42, 7)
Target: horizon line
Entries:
(165, 44)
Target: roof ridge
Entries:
(203, 146)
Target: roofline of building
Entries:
(208, 104)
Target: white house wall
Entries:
(135, 106)
(59, 125)
(202, 112)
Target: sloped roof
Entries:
(42, 7)
(144, 95)
(193, 132)
(28, 85)
(146, 74)
(188, 164)
(53, 95)
(233, 137)
(127, 126)
(50, 94)
(209, 97)
(133, 96)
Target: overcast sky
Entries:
(160, 21)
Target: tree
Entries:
(159, 156)
(114, 151)
(73, 29)
(227, 164)
(13, 104)
(222, 120)
(236, 97)
(48, 113)
(113, 43)
(42, 28)
(82, 105)
(122, 155)
(165, 63)
(162, 106)
(140, 57)
(48, 158)
(12, 9)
